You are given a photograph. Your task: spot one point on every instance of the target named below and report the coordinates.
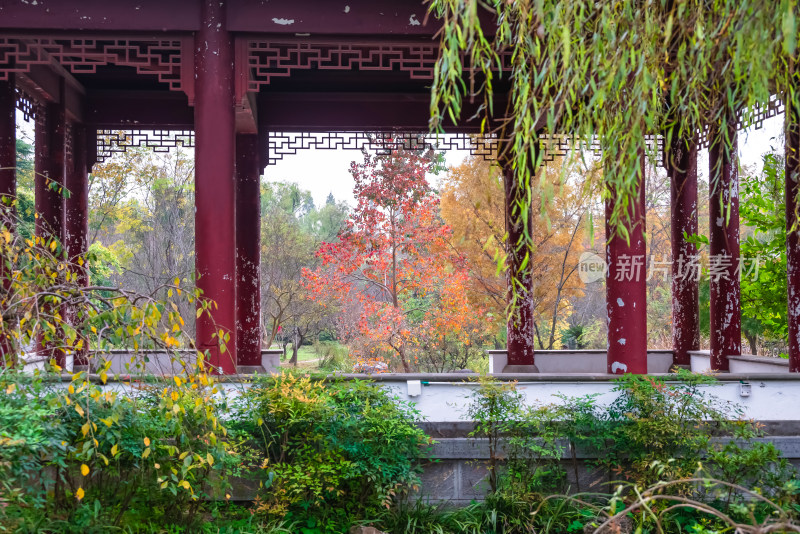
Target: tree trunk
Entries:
(752, 339)
(296, 340)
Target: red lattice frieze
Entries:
(267, 60)
(283, 144)
(110, 142)
(26, 104)
(168, 59)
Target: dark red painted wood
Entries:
(215, 235)
(681, 163)
(119, 15)
(76, 213)
(49, 166)
(626, 288)
(49, 157)
(8, 146)
(792, 133)
(520, 329)
(8, 187)
(725, 306)
(248, 250)
(354, 17)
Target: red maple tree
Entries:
(392, 271)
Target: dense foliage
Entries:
(614, 72)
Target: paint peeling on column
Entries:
(616, 367)
(620, 302)
(282, 21)
(412, 20)
(622, 341)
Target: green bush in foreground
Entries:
(330, 455)
(328, 452)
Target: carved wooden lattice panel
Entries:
(110, 142)
(26, 104)
(163, 58)
(283, 144)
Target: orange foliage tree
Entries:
(393, 273)
(472, 199)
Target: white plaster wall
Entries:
(578, 361)
(700, 361)
(769, 400)
(757, 364)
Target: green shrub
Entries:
(329, 451)
(83, 457)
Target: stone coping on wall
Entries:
(443, 378)
(771, 360)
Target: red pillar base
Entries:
(793, 228)
(8, 194)
(626, 289)
(76, 217)
(248, 251)
(520, 344)
(682, 171)
(725, 296)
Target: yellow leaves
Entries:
(146, 442)
(183, 455)
(85, 429)
(10, 389)
(165, 484)
(108, 422)
(114, 450)
(53, 245)
(79, 410)
(209, 459)
(104, 378)
(84, 470)
(178, 381)
(79, 494)
(146, 453)
(175, 396)
(185, 484)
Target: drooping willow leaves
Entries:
(612, 72)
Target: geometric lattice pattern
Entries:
(26, 104)
(283, 144)
(159, 57)
(288, 143)
(110, 142)
(268, 60)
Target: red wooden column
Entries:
(248, 250)
(792, 134)
(49, 167)
(520, 344)
(49, 155)
(681, 163)
(8, 186)
(76, 211)
(725, 306)
(8, 144)
(626, 288)
(215, 234)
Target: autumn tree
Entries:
(292, 231)
(392, 271)
(473, 206)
